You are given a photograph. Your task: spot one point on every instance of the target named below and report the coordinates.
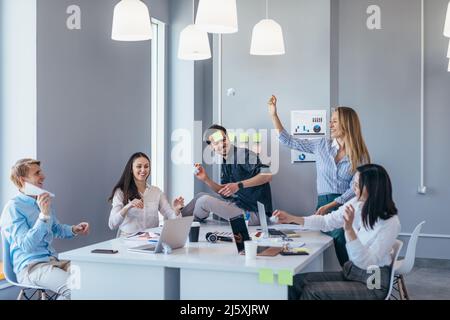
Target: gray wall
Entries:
(18, 88)
(379, 76)
(189, 100)
(93, 109)
(300, 79)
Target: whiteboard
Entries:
(307, 124)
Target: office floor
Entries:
(427, 281)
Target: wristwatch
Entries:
(240, 185)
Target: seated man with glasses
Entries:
(244, 182)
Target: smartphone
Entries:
(107, 251)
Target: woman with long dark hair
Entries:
(371, 227)
(135, 203)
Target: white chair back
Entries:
(405, 265)
(396, 250)
(7, 265)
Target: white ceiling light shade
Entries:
(217, 16)
(131, 21)
(447, 22)
(194, 44)
(267, 38)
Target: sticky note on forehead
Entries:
(217, 136)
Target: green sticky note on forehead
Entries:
(243, 137)
(285, 277)
(257, 137)
(217, 136)
(266, 276)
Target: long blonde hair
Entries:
(355, 146)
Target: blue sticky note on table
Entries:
(285, 277)
(266, 276)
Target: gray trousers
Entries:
(204, 203)
(349, 284)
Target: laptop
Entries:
(267, 232)
(240, 233)
(174, 233)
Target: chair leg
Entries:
(403, 285)
(400, 289)
(21, 294)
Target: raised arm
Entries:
(272, 104)
(364, 256)
(303, 145)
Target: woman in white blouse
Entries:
(371, 227)
(135, 204)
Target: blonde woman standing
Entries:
(336, 161)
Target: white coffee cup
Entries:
(250, 249)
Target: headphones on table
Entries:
(213, 237)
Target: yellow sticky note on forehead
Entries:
(257, 137)
(217, 136)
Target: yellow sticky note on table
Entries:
(300, 250)
(257, 137)
(285, 277)
(217, 136)
(243, 137)
(266, 276)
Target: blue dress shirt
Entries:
(30, 238)
(332, 177)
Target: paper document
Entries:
(294, 227)
(143, 236)
(32, 190)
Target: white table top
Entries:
(220, 256)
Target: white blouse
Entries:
(372, 246)
(140, 219)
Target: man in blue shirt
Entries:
(29, 224)
(244, 182)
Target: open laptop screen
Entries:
(240, 232)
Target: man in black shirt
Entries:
(244, 181)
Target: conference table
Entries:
(200, 270)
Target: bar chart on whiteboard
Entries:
(307, 124)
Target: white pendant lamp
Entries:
(131, 21)
(447, 22)
(267, 37)
(193, 43)
(217, 16)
